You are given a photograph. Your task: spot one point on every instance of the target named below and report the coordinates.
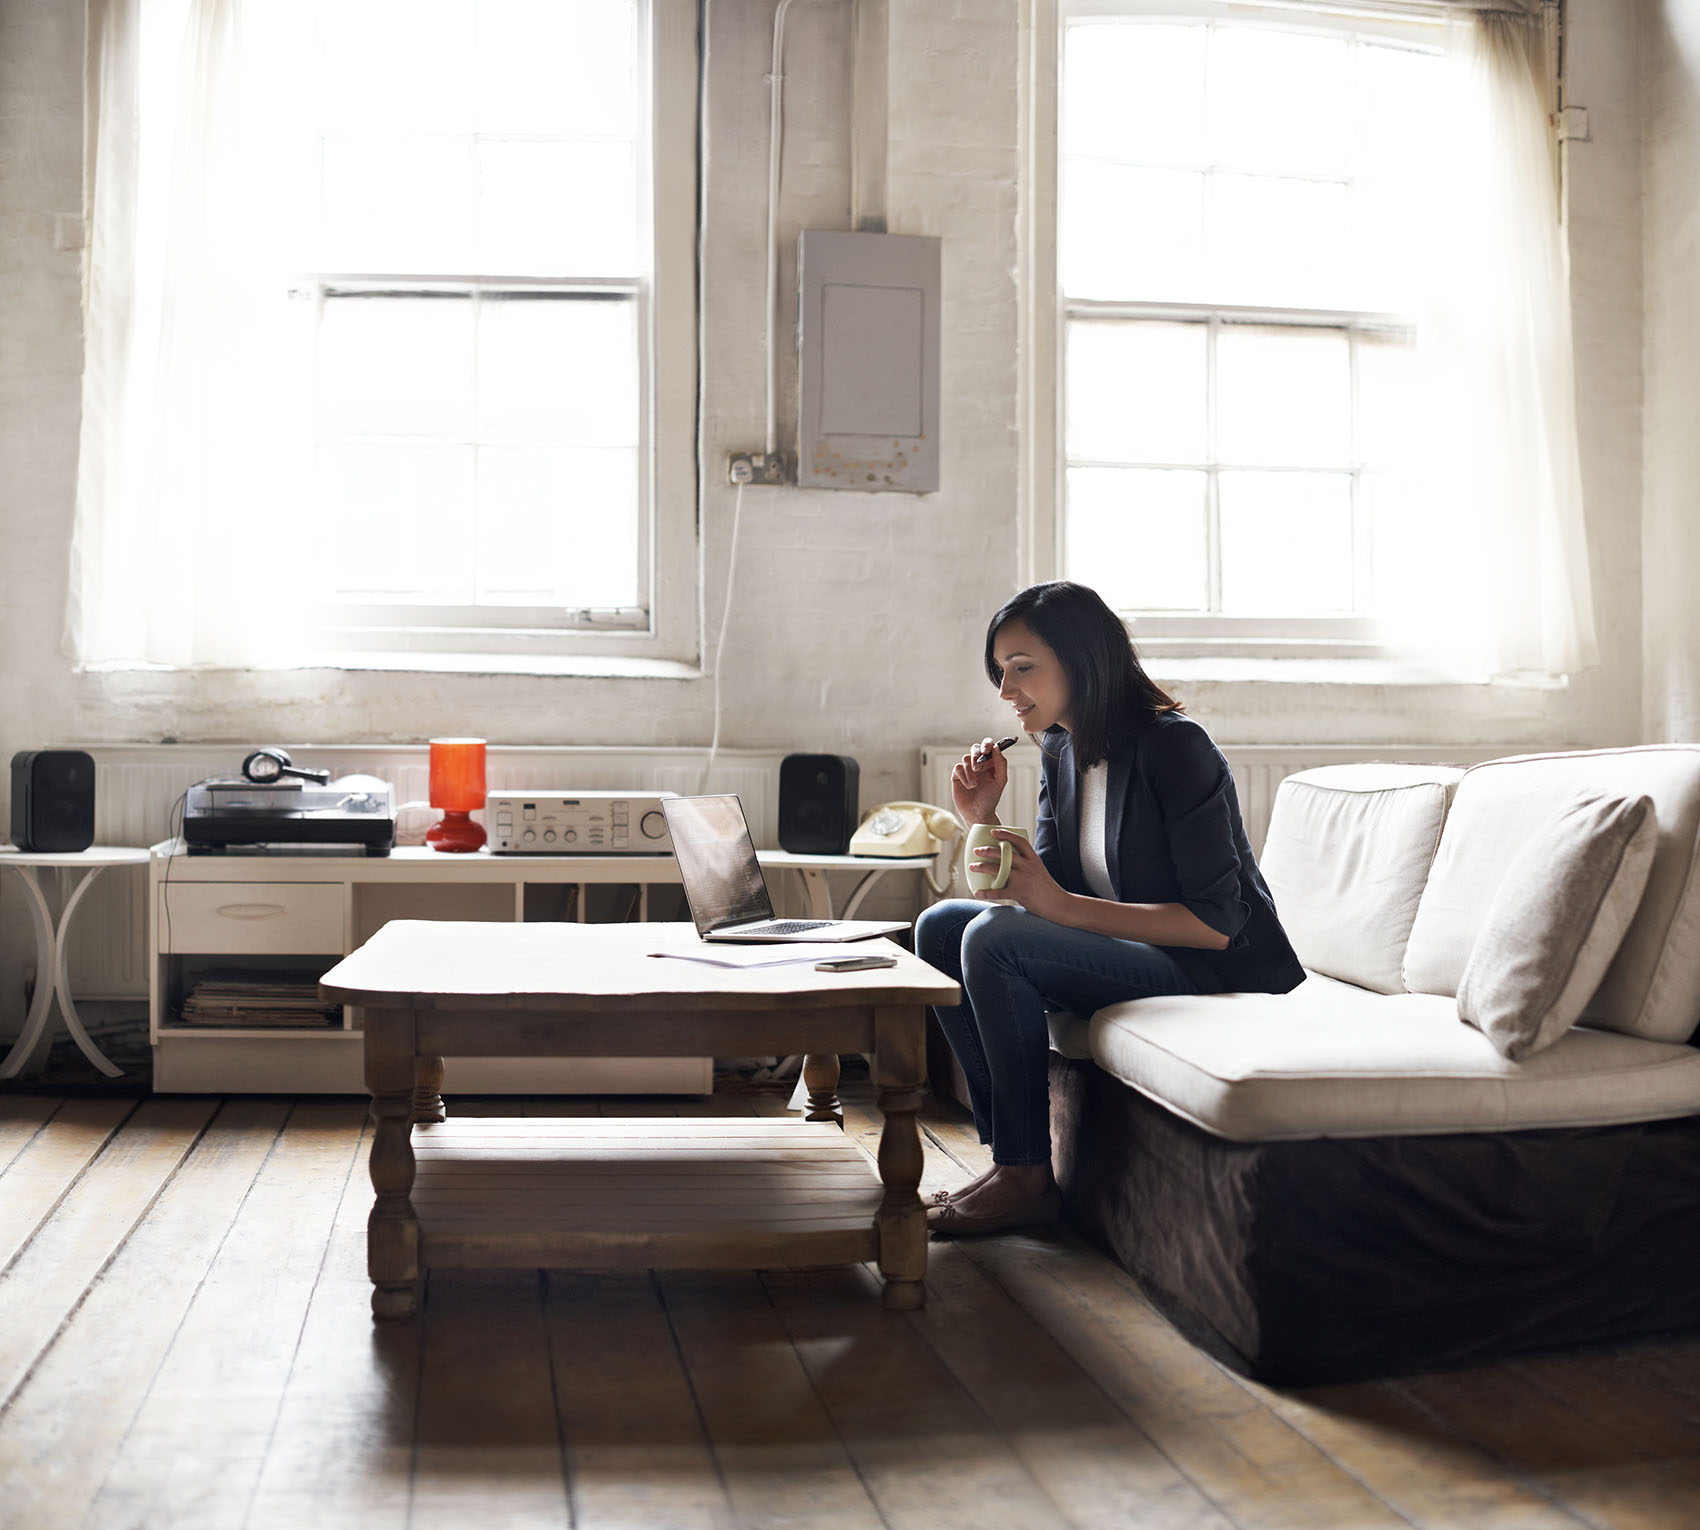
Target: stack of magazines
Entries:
(228, 999)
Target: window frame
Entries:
(665, 624)
(1045, 332)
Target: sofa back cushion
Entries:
(1346, 857)
(1652, 987)
(1556, 922)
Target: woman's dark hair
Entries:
(1110, 695)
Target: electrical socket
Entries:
(764, 469)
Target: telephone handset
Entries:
(909, 829)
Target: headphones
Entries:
(265, 766)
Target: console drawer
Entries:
(252, 918)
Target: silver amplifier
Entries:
(577, 823)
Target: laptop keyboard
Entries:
(791, 926)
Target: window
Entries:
(489, 230)
(1238, 202)
(391, 334)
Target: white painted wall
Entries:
(1671, 524)
(858, 618)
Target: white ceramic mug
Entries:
(986, 835)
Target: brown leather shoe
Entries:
(951, 1220)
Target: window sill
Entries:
(570, 665)
(1334, 672)
(579, 665)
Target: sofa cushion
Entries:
(1652, 987)
(1319, 1062)
(1347, 853)
(1556, 922)
(1071, 1034)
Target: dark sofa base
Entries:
(1337, 1260)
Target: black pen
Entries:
(1001, 745)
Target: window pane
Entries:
(400, 512)
(1130, 233)
(1279, 101)
(1137, 537)
(1134, 91)
(1286, 543)
(558, 526)
(1136, 392)
(557, 208)
(394, 66)
(397, 205)
(576, 72)
(1283, 396)
(558, 371)
(1389, 411)
(1394, 89)
(1400, 545)
(396, 367)
(1277, 242)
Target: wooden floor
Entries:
(185, 1342)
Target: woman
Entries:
(1139, 881)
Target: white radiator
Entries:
(138, 787)
(1258, 769)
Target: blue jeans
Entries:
(1013, 966)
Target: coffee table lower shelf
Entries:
(600, 1193)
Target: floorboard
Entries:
(776, 1450)
(187, 1342)
(636, 1451)
(45, 1165)
(489, 1449)
(63, 1430)
(21, 1117)
(91, 1216)
(340, 1454)
(192, 1456)
(927, 1453)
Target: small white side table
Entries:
(813, 869)
(52, 955)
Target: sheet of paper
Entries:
(768, 956)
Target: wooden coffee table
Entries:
(598, 1193)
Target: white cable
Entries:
(720, 642)
(775, 147)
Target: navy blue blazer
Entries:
(1172, 834)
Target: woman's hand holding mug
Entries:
(1004, 868)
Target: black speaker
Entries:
(817, 803)
(52, 800)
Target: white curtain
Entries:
(190, 546)
(1489, 564)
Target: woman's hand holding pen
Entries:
(977, 781)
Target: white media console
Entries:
(292, 916)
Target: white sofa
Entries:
(1347, 1180)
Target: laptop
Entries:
(723, 881)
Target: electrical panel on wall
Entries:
(868, 353)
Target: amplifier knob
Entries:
(571, 836)
(548, 836)
(654, 825)
(529, 835)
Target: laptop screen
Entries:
(717, 861)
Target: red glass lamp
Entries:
(457, 787)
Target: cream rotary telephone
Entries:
(897, 829)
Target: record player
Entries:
(245, 815)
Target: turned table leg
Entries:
(820, 1073)
(428, 1090)
(392, 1229)
(901, 1221)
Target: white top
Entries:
(95, 855)
(1094, 787)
